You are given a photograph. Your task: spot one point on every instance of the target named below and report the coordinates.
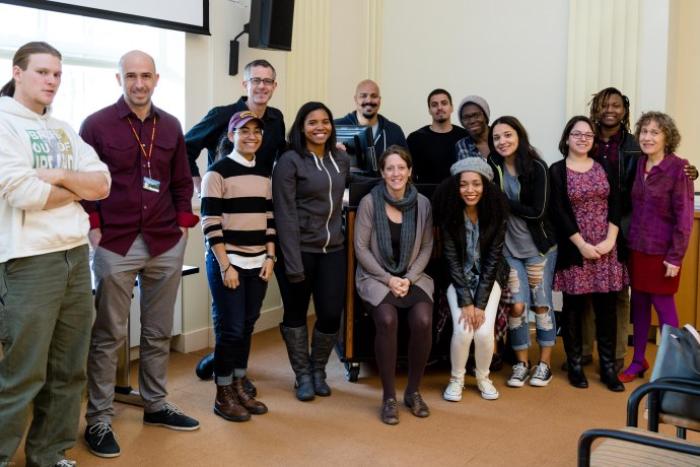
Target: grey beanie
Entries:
(472, 164)
(478, 100)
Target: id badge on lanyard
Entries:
(149, 183)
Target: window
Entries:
(91, 49)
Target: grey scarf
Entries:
(407, 206)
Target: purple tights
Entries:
(640, 305)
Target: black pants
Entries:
(325, 281)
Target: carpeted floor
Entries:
(525, 427)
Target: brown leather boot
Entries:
(226, 405)
(249, 403)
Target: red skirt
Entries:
(647, 274)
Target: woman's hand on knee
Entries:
(466, 318)
(479, 318)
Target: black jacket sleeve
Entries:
(205, 134)
(539, 184)
(490, 265)
(562, 214)
(453, 258)
(614, 201)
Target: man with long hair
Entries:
(45, 292)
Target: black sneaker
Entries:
(520, 374)
(100, 440)
(171, 417)
(541, 376)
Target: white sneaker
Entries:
(453, 391)
(488, 390)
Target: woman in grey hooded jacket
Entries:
(308, 183)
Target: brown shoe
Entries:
(226, 405)
(390, 412)
(415, 402)
(251, 405)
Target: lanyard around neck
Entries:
(146, 155)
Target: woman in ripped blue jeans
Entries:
(530, 246)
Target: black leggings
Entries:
(420, 323)
(325, 281)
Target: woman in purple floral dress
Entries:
(585, 211)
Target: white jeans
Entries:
(483, 337)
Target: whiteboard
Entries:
(182, 15)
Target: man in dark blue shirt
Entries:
(384, 132)
(259, 81)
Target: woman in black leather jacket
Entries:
(471, 214)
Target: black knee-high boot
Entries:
(606, 335)
(573, 343)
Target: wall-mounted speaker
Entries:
(271, 24)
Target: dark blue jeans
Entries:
(234, 312)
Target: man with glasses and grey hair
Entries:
(259, 81)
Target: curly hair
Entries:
(600, 98)
(448, 207)
(668, 127)
(525, 154)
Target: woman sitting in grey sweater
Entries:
(393, 243)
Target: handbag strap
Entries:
(693, 332)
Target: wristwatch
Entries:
(272, 257)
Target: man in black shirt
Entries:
(259, 81)
(433, 146)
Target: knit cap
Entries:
(477, 100)
(472, 164)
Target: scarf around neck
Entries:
(407, 206)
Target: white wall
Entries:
(684, 76)
(510, 52)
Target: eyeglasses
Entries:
(245, 132)
(580, 135)
(258, 81)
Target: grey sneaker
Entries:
(519, 376)
(65, 463)
(541, 376)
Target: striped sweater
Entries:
(237, 210)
